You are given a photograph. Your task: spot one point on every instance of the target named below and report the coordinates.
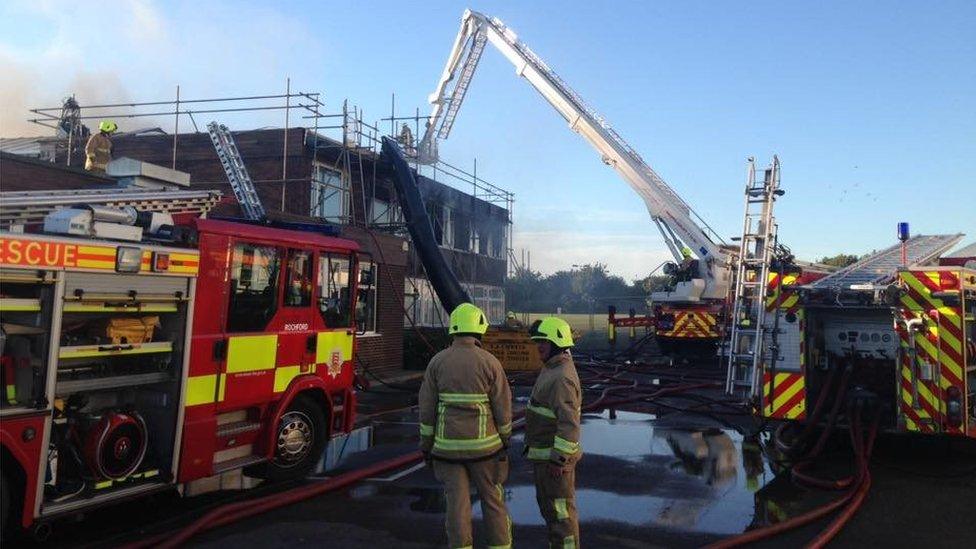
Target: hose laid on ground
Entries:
(853, 498)
(233, 512)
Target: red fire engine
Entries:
(134, 364)
(906, 336)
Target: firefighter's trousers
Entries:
(557, 502)
(487, 475)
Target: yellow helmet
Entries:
(107, 126)
(686, 252)
(555, 330)
(467, 319)
(510, 314)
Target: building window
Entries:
(298, 279)
(497, 245)
(334, 294)
(366, 297)
(448, 217)
(425, 309)
(253, 287)
(385, 213)
(462, 232)
(330, 194)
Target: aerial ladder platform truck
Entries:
(693, 308)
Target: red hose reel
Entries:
(116, 444)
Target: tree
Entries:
(839, 260)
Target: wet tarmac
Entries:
(647, 480)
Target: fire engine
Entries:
(149, 348)
(898, 326)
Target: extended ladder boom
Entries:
(679, 224)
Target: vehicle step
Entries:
(237, 463)
(236, 428)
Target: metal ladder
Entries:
(25, 207)
(746, 342)
(240, 181)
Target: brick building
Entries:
(300, 173)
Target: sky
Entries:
(871, 106)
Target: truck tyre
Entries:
(299, 440)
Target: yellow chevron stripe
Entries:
(929, 398)
(797, 410)
(785, 397)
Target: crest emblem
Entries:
(335, 363)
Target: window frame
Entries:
(328, 255)
(342, 188)
(309, 297)
(276, 299)
(373, 287)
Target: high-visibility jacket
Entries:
(98, 152)
(465, 403)
(552, 421)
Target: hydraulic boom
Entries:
(680, 226)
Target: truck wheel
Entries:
(299, 440)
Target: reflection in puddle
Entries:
(689, 479)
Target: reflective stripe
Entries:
(329, 343)
(463, 397)
(11, 394)
(565, 446)
(482, 421)
(284, 375)
(426, 430)
(441, 407)
(251, 353)
(569, 542)
(539, 453)
(200, 389)
(505, 429)
(467, 444)
(562, 513)
(543, 411)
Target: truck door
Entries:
(295, 321)
(252, 333)
(333, 353)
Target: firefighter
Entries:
(98, 150)
(512, 321)
(552, 431)
(465, 426)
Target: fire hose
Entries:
(852, 499)
(234, 512)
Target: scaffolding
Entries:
(344, 146)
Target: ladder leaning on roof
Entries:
(746, 344)
(240, 181)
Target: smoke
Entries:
(20, 88)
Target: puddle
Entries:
(677, 472)
(640, 473)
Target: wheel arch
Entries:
(308, 386)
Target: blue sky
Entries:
(871, 106)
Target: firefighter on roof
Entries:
(465, 426)
(552, 431)
(98, 150)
